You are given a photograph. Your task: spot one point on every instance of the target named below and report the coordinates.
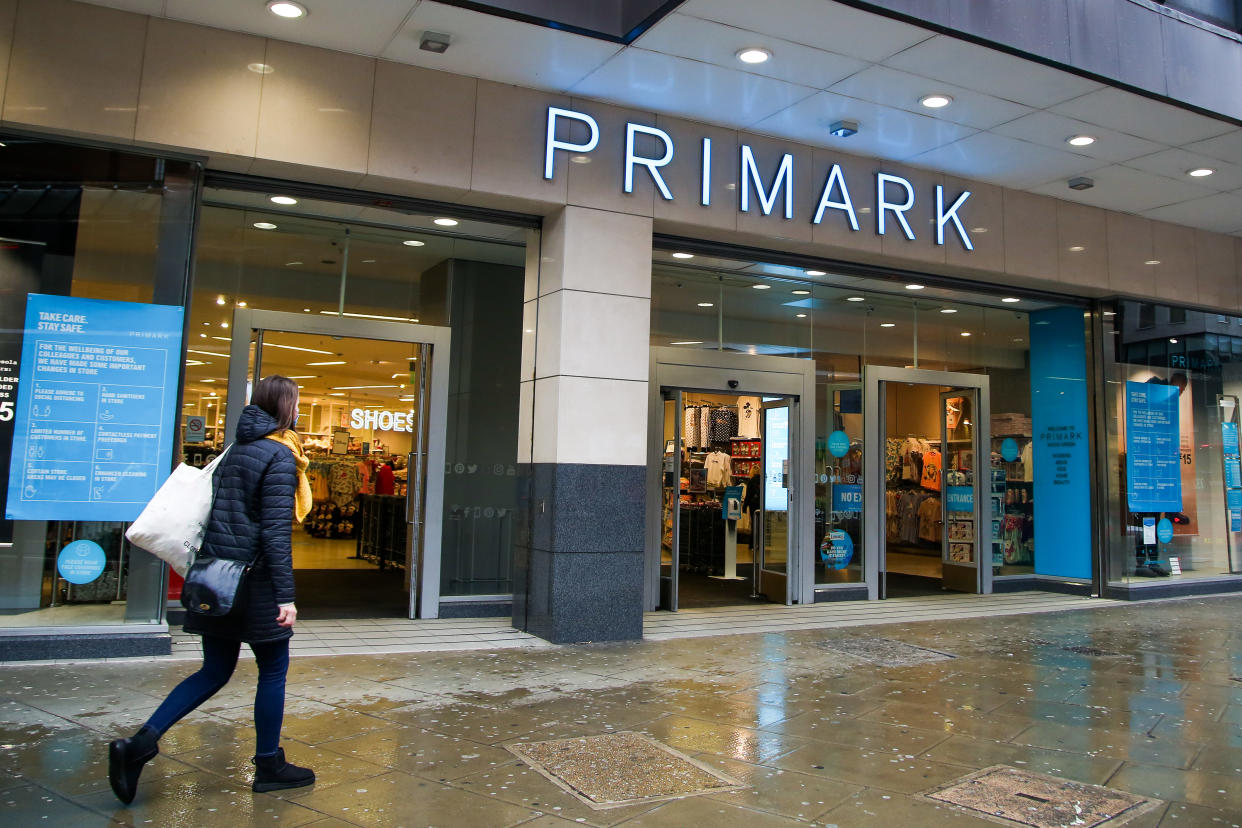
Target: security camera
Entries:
(733, 383)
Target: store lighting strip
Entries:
(296, 348)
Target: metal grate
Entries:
(885, 652)
(1018, 797)
(618, 769)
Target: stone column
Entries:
(578, 573)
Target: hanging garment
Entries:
(724, 424)
(931, 471)
(718, 465)
(929, 520)
(748, 414)
(690, 427)
(705, 427)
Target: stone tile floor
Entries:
(1150, 703)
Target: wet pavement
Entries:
(814, 726)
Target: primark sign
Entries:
(894, 195)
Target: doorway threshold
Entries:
(764, 618)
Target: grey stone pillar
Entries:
(578, 573)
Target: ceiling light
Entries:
(303, 376)
(706, 305)
(914, 287)
(317, 364)
(1080, 140)
(336, 393)
(260, 68)
(948, 310)
(854, 299)
(204, 336)
(1078, 248)
(688, 342)
(965, 333)
(816, 273)
(754, 54)
(220, 300)
(683, 255)
(1174, 341)
(293, 264)
(445, 222)
(264, 225)
(224, 324)
(358, 387)
(888, 324)
(1017, 339)
(1152, 262)
(437, 42)
(1081, 182)
(287, 9)
(801, 293)
(800, 315)
(413, 243)
(580, 159)
(762, 287)
(285, 200)
(1200, 172)
(978, 229)
(241, 303)
(936, 101)
(305, 310)
(843, 129)
(1009, 300)
(368, 261)
(296, 348)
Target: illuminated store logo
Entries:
(894, 195)
(381, 420)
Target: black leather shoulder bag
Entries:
(215, 586)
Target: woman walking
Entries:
(260, 486)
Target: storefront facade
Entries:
(574, 327)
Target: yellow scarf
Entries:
(302, 500)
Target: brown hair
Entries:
(277, 396)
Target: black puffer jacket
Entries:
(252, 520)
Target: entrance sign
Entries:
(894, 195)
(96, 414)
(382, 420)
(1153, 452)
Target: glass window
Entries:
(1146, 315)
(94, 224)
(1175, 497)
(1223, 13)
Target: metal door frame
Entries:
(947, 567)
(712, 372)
(248, 320)
(875, 410)
(792, 439)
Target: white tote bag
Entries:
(171, 526)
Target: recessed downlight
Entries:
(683, 255)
(1200, 172)
(816, 273)
(1173, 341)
(287, 9)
(800, 315)
(446, 222)
(754, 54)
(948, 310)
(220, 300)
(854, 299)
(1009, 300)
(293, 264)
(264, 225)
(1152, 262)
(965, 333)
(914, 287)
(580, 159)
(688, 342)
(762, 287)
(1080, 140)
(936, 101)
(1077, 248)
(261, 68)
(413, 243)
(285, 200)
(707, 304)
(888, 324)
(801, 292)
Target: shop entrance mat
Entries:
(1011, 796)
(617, 769)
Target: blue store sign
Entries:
(960, 498)
(847, 497)
(1009, 449)
(95, 417)
(837, 549)
(81, 562)
(838, 444)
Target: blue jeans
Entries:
(219, 661)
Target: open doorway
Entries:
(932, 488)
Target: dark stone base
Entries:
(1036, 583)
(854, 593)
(1171, 589)
(85, 645)
(476, 609)
(580, 597)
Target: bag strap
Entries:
(211, 467)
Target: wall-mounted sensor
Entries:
(437, 42)
(1081, 183)
(843, 129)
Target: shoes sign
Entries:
(894, 195)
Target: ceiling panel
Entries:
(155, 8)
(1050, 130)
(902, 90)
(884, 131)
(1155, 121)
(1227, 147)
(710, 42)
(1221, 213)
(1174, 163)
(333, 25)
(1126, 189)
(995, 158)
(824, 25)
(987, 70)
(689, 88)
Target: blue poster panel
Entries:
(1153, 453)
(96, 408)
(1060, 454)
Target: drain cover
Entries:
(618, 769)
(885, 651)
(1017, 797)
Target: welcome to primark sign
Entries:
(894, 195)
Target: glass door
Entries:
(960, 476)
(775, 500)
(372, 426)
(670, 500)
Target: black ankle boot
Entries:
(273, 773)
(126, 758)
